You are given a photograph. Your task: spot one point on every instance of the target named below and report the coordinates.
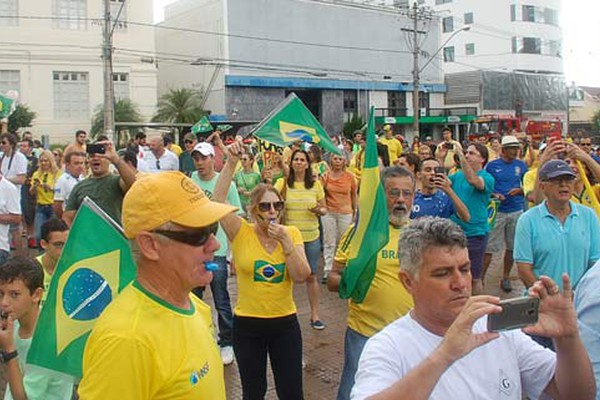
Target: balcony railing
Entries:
(429, 112)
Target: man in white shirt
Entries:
(442, 349)
(74, 168)
(13, 165)
(10, 214)
(159, 158)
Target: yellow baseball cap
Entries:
(156, 199)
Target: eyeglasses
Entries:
(188, 141)
(58, 245)
(585, 144)
(196, 238)
(561, 179)
(404, 193)
(265, 206)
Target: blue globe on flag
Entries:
(86, 294)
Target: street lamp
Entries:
(416, 76)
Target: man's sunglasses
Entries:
(188, 141)
(196, 237)
(265, 206)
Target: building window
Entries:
(468, 18)
(470, 49)
(424, 100)
(9, 8)
(10, 80)
(550, 16)
(350, 103)
(74, 13)
(121, 85)
(528, 13)
(115, 5)
(396, 103)
(555, 48)
(513, 12)
(449, 54)
(527, 45)
(438, 2)
(71, 95)
(448, 24)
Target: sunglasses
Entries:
(196, 238)
(265, 206)
(188, 141)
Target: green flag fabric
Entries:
(224, 128)
(371, 232)
(202, 126)
(291, 121)
(7, 106)
(96, 264)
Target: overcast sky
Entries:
(581, 44)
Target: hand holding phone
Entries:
(516, 313)
(95, 148)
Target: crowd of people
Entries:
(196, 216)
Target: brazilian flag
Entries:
(371, 232)
(202, 126)
(96, 264)
(291, 121)
(7, 106)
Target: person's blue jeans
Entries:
(43, 213)
(313, 253)
(218, 287)
(354, 343)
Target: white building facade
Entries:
(51, 54)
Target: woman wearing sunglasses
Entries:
(42, 186)
(269, 258)
(57, 153)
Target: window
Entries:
(9, 8)
(513, 12)
(470, 49)
(71, 95)
(468, 18)
(121, 85)
(532, 45)
(10, 80)
(438, 2)
(448, 24)
(115, 5)
(396, 103)
(449, 54)
(550, 16)
(423, 100)
(74, 13)
(350, 103)
(555, 48)
(529, 13)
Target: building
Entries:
(339, 57)
(51, 55)
(584, 103)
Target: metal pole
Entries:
(416, 111)
(109, 94)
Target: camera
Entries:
(449, 146)
(95, 149)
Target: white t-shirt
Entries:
(13, 166)
(167, 162)
(501, 369)
(9, 204)
(63, 187)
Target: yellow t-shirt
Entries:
(144, 348)
(394, 148)
(45, 196)
(387, 299)
(47, 280)
(583, 198)
(264, 286)
(175, 148)
(529, 184)
(298, 200)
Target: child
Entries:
(21, 288)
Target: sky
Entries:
(581, 39)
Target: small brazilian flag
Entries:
(202, 126)
(371, 232)
(7, 106)
(265, 272)
(291, 121)
(96, 264)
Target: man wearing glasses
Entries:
(186, 163)
(159, 158)
(154, 340)
(585, 144)
(53, 238)
(206, 178)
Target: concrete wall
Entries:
(252, 104)
(332, 111)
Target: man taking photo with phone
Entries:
(442, 347)
(447, 148)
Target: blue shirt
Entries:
(475, 200)
(435, 205)
(587, 306)
(553, 248)
(508, 176)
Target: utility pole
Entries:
(109, 91)
(416, 80)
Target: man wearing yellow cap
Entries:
(394, 146)
(154, 341)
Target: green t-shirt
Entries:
(105, 192)
(39, 384)
(186, 163)
(233, 198)
(246, 181)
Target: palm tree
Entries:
(180, 106)
(125, 111)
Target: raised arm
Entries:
(230, 223)
(470, 175)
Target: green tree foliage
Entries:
(22, 117)
(354, 123)
(180, 106)
(125, 111)
(596, 120)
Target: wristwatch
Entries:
(6, 357)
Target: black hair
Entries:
(129, 157)
(140, 135)
(27, 269)
(482, 150)
(72, 154)
(12, 139)
(309, 180)
(425, 160)
(413, 160)
(102, 138)
(53, 225)
(79, 132)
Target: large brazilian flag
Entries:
(370, 233)
(291, 121)
(95, 265)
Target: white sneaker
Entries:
(227, 355)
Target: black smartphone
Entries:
(95, 148)
(449, 146)
(439, 170)
(516, 313)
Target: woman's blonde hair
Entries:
(50, 156)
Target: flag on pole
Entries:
(291, 121)
(224, 128)
(588, 188)
(7, 106)
(202, 126)
(371, 232)
(96, 264)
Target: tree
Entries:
(354, 123)
(22, 117)
(125, 111)
(180, 106)
(596, 120)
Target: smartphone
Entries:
(449, 146)
(516, 313)
(439, 170)
(95, 149)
